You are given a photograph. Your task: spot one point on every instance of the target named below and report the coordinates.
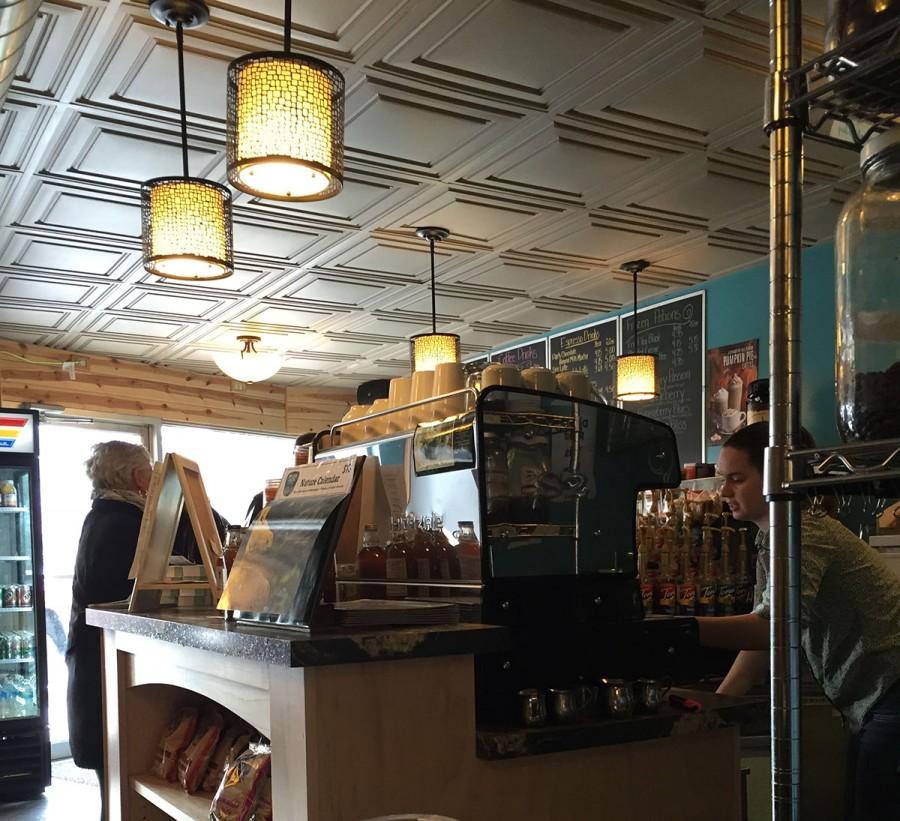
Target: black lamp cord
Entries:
(179, 39)
(433, 303)
(287, 26)
(634, 275)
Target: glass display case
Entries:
(25, 764)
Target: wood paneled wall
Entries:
(120, 387)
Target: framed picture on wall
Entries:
(730, 370)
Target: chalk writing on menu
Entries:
(532, 355)
(590, 350)
(674, 331)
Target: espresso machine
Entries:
(550, 483)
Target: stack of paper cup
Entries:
(422, 387)
(398, 395)
(448, 377)
(352, 433)
(374, 428)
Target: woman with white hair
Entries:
(120, 473)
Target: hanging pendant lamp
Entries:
(249, 364)
(185, 221)
(636, 372)
(429, 350)
(285, 136)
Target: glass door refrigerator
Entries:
(24, 730)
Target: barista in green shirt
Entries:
(850, 628)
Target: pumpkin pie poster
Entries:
(730, 370)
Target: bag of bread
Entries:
(175, 738)
(194, 759)
(263, 810)
(233, 741)
(237, 794)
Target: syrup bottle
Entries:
(421, 553)
(666, 587)
(396, 562)
(743, 591)
(643, 575)
(706, 585)
(468, 552)
(371, 561)
(726, 593)
(687, 587)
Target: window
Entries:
(65, 501)
(234, 465)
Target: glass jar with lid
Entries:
(758, 401)
(868, 297)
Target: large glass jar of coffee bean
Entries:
(867, 256)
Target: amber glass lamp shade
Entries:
(636, 378)
(285, 128)
(426, 351)
(187, 228)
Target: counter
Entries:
(371, 722)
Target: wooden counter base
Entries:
(355, 741)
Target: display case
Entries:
(25, 751)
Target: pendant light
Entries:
(636, 372)
(249, 364)
(285, 137)
(186, 221)
(428, 350)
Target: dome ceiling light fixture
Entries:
(285, 124)
(249, 364)
(429, 350)
(185, 221)
(636, 372)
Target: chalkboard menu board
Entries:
(532, 355)
(591, 350)
(676, 332)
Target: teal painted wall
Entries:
(737, 308)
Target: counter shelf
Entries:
(498, 742)
(362, 698)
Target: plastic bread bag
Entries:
(175, 738)
(263, 810)
(232, 742)
(194, 759)
(237, 794)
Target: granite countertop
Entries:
(206, 630)
(496, 743)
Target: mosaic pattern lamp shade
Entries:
(428, 350)
(187, 228)
(285, 137)
(636, 378)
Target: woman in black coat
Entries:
(120, 473)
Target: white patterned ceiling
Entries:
(554, 138)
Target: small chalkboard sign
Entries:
(532, 355)
(590, 349)
(676, 332)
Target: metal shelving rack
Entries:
(841, 85)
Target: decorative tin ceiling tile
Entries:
(554, 138)
(35, 254)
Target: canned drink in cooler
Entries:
(26, 645)
(10, 595)
(14, 645)
(4, 646)
(24, 595)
